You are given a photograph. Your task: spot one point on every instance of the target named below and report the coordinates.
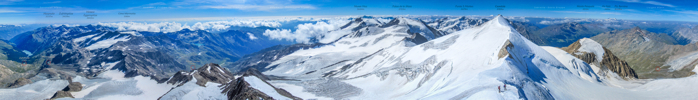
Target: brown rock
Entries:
(62, 94)
(239, 89)
(73, 87)
(20, 82)
(503, 51)
(610, 61)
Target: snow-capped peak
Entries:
(359, 23)
(499, 20)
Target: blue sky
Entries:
(32, 11)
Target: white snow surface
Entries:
(192, 91)
(27, 52)
(462, 65)
(591, 46)
(40, 90)
(264, 87)
(80, 39)
(106, 43)
(112, 85)
(681, 62)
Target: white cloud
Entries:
(252, 36)
(249, 5)
(323, 31)
(8, 11)
(648, 2)
(9, 2)
(685, 12)
(173, 26)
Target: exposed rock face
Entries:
(62, 94)
(212, 73)
(239, 89)
(207, 73)
(73, 87)
(414, 27)
(20, 82)
(609, 61)
(503, 51)
(180, 78)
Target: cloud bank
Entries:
(323, 31)
(174, 26)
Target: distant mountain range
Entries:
(645, 51)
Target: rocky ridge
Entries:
(609, 61)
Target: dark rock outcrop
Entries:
(503, 51)
(180, 78)
(62, 94)
(73, 87)
(212, 73)
(207, 73)
(20, 82)
(609, 61)
(239, 89)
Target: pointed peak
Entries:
(500, 20)
(636, 29)
(358, 19)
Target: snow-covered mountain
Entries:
(470, 63)
(389, 67)
(450, 25)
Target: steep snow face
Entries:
(591, 46)
(36, 91)
(576, 66)
(459, 65)
(262, 86)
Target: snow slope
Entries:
(461, 65)
(262, 86)
(191, 91)
(112, 85)
(36, 91)
(388, 69)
